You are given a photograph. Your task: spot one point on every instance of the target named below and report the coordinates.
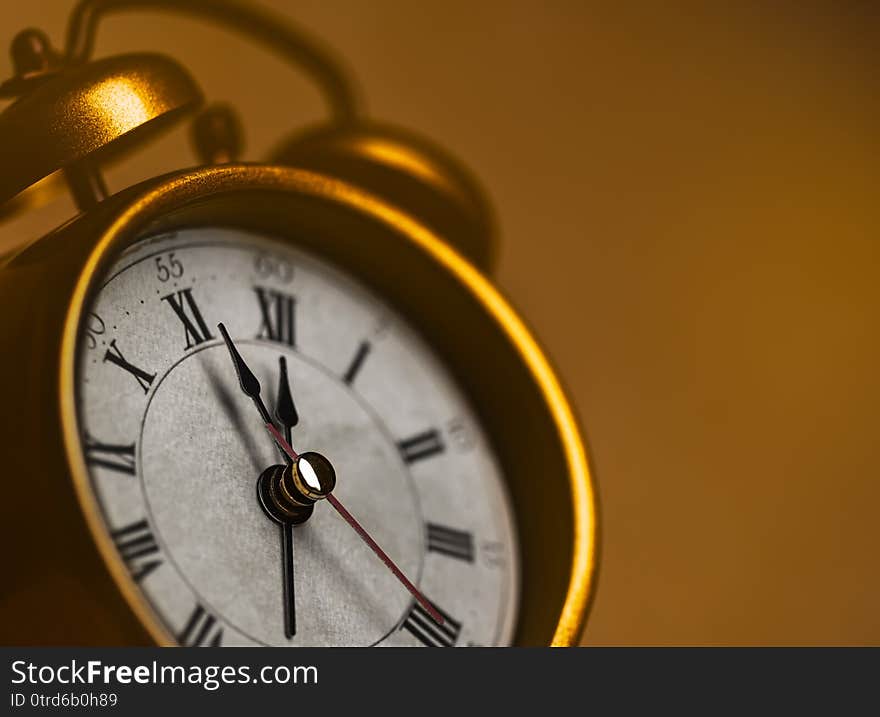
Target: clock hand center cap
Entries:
(288, 493)
(311, 476)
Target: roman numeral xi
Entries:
(186, 309)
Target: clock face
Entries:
(175, 449)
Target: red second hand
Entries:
(279, 439)
(365, 536)
(383, 556)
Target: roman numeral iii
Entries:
(186, 309)
(114, 457)
(448, 541)
(114, 356)
(201, 630)
(138, 548)
(277, 316)
(422, 626)
(423, 445)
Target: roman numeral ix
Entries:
(119, 458)
(135, 542)
(277, 316)
(421, 446)
(201, 630)
(451, 542)
(187, 311)
(114, 355)
(422, 626)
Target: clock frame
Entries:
(68, 583)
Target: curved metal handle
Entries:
(265, 28)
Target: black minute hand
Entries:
(285, 412)
(251, 387)
(287, 591)
(246, 379)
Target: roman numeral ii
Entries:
(422, 445)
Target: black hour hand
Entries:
(285, 409)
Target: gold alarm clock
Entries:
(273, 403)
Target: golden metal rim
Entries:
(230, 178)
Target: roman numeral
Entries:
(356, 362)
(277, 314)
(448, 541)
(423, 445)
(198, 630)
(134, 543)
(114, 355)
(119, 458)
(188, 312)
(422, 626)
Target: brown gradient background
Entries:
(688, 200)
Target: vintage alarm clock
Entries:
(272, 403)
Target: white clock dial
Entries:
(174, 451)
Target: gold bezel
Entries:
(264, 196)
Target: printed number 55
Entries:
(173, 268)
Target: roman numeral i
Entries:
(356, 363)
(187, 311)
(277, 316)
